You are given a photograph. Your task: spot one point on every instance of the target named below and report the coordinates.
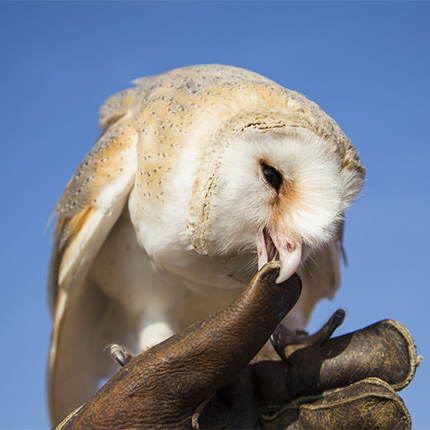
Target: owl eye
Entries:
(272, 176)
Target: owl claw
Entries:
(120, 353)
(332, 324)
(282, 337)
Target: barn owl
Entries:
(201, 175)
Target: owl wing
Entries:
(89, 207)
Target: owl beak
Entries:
(290, 260)
(272, 247)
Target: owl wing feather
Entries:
(87, 211)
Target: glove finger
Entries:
(385, 350)
(367, 404)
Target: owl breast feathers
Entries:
(201, 175)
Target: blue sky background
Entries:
(367, 64)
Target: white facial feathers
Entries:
(307, 207)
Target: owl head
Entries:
(274, 184)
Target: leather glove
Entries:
(200, 378)
(348, 383)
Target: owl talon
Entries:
(278, 348)
(332, 324)
(282, 337)
(120, 353)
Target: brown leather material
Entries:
(349, 382)
(163, 386)
(367, 404)
(200, 378)
(352, 357)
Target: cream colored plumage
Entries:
(174, 209)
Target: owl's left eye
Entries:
(272, 176)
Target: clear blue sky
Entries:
(366, 63)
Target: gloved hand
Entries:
(200, 378)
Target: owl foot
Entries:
(120, 353)
(283, 338)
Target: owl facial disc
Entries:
(272, 247)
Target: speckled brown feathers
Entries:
(166, 110)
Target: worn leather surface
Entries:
(348, 383)
(200, 378)
(367, 404)
(385, 350)
(162, 387)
